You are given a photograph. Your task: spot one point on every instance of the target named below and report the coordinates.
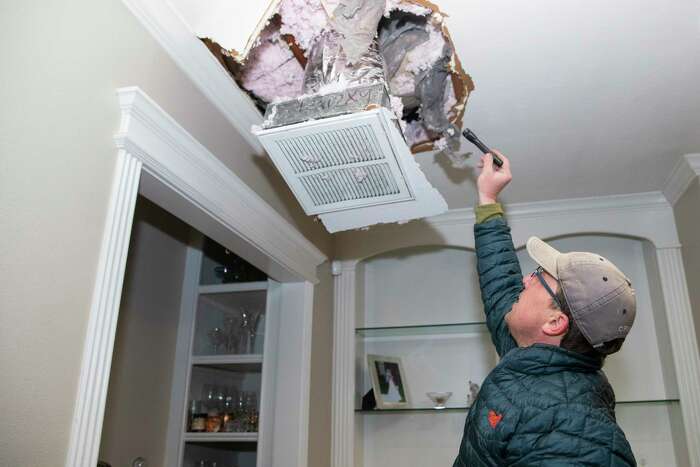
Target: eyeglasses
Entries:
(538, 272)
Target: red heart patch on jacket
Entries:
(494, 418)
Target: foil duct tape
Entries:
(350, 100)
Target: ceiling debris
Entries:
(420, 64)
(350, 88)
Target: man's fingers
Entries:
(506, 162)
(487, 162)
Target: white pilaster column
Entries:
(343, 425)
(89, 409)
(684, 344)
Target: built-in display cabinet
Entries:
(226, 364)
(422, 305)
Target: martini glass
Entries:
(439, 399)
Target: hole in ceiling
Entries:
(311, 46)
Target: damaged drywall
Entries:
(309, 46)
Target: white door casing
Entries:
(162, 161)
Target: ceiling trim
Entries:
(591, 205)
(171, 31)
(173, 158)
(683, 174)
(647, 216)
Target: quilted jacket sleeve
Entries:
(500, 278)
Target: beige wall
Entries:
(321, 370)
(61, 62)
(687, 211)
(136, 416)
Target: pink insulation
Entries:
(274, 68)
(303, 19)
(272, 72)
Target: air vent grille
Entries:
(332, 148)
(351, 183)
(338, 165)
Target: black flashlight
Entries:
(471, 137)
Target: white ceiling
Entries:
(587, 98)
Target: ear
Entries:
(556, 325)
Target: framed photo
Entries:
(388, 382)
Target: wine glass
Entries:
(249, 324)
(232, 327)
(251, 411)
(209, 395)
(216, 339)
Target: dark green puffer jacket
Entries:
(542, 405)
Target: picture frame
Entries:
(388, 382)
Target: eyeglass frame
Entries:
(538, 272)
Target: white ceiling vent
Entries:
(352, 170)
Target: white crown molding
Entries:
(684, 172)
(166, 25)
(177, 159)
(642, 215)
(653, 200)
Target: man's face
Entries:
(532, 310)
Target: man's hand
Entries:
(492, 179)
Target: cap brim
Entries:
(544, 255)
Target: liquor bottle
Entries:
(198, 417)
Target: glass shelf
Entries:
(464, 408)
(231, 359)
(221, 437)
(413, 409)
(422, 330)
(649, 402)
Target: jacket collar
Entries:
(543, 359)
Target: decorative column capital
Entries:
(340, 266)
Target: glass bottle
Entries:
(197, 417)
(228, 422)
(239, 413)
(213, 420)
(251, 411)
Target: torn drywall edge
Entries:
(270, 11)
(461, 83)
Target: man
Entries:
(547, 403)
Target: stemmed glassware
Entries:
(238, 333)
(250, 320)
(216, 339)
(232, 326)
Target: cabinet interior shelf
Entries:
(246, 359)
(422, 330)
(465, 408)
(231, 363)
(232, 287)
(221, 437)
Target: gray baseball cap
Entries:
(600, 297)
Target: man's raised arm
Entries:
(500, 277)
